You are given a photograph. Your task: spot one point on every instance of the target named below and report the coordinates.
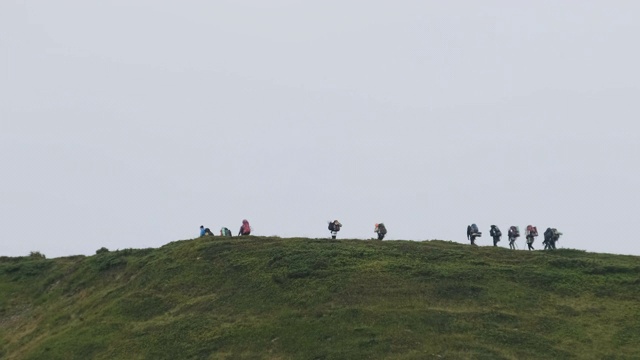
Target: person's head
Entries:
(201, 226)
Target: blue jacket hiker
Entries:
(205, 231)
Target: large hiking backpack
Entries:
(382, 229)
(225, 232)
(495, 231)
(548, 234)
(335, 225)
(555, 234)
(532, 231)
(472, 230)
(514, 232)
(332, 226)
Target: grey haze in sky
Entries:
(130, 123)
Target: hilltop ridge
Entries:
(296, 298)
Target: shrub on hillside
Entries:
(102, 250)
(37, 255)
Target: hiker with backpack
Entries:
(496, 234)
(225, 232)
(205, 231)
(334, 227)
(530, 234)
(555, 236)
(245, 229)
(472, 233)
(381, 230)
(548, 234)
(514, 233)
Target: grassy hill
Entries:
(254, 298)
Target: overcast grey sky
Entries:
(130, 123)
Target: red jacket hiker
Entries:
(245, 229)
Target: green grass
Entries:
(272, 298)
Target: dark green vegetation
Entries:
(254, 298)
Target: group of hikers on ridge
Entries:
(245, 229)
(551, 236)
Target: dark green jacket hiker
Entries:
(381, 230)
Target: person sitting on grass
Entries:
(205, 231)
(245, 229)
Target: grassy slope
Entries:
(275, 298)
